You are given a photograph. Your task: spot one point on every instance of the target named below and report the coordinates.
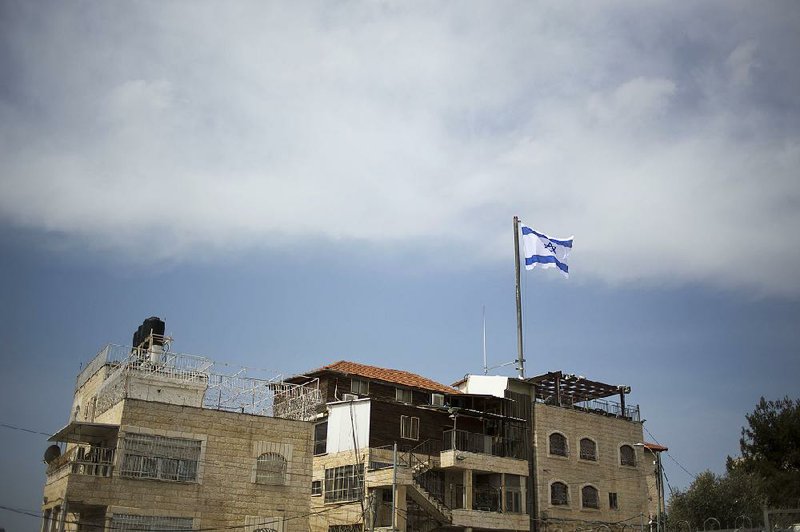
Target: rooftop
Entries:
(394, 376)
(575, 387)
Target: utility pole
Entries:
(394, 487)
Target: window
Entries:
(263, 524)
(403, 395)
(612, 501)
(589, 497)
(558, 444)
(513, 494)
(316, 487)
(437, 399)
(345, 528)
(149, 522)
(321, 438)
(409, 427)
(271, 469)
(158, 457)
(559, 494)
(588, 450)
(345, 483)
(359, 386)
(627, 456)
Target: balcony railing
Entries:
(84, 460)
(471, 442)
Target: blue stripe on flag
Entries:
(528, 231)
(546, 259)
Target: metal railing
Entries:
(461, 440)
(84, 460)
(608, 408)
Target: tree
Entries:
(726, 498)
(768, 472)
(770, 447)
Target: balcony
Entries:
(468, 450)
(83, 460)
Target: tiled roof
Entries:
(394, 376)
(655, 447)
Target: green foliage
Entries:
(770, 447)
(725, 498)
(768, 472)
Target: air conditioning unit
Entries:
(349, 397)
(437, 399)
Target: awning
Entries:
(83, 432)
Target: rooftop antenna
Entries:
(485, 365)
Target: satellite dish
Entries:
(52, 452)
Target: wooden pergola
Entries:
(557, 386)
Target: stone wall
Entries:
(605, 474)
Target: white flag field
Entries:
(545, 252)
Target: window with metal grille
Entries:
(559, 494)
(590, 497)
(345, 483)
(588, 449)
(321, 438)
(558, 444)
(253, 523)
(627, 456)
(612, 501)
(359, 386)
(403, 395)
(124, 522)
(159, 457)
(271, 469)
(409, 427)
(316, 487)
(345, 528)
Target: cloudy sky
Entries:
(293, 183)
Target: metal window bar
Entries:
(124, 522)
(559, 494)
(486, 499)
(627, 456)
(588, 449)
(271, 469)
(590, 497)
(558, 444)
(158, 457)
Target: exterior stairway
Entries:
(425, 499)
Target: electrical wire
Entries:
(670, 456)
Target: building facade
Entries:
(155, 443)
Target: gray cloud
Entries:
(664, 137)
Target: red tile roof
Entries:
(394, 376)
(654, 447)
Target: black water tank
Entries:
(155, 325)
(152, 324)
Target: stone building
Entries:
(158, 441)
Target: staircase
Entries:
(419, 490)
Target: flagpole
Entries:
(520, 357)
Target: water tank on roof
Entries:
(154, 325)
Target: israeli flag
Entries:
(544, 251)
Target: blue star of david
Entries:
(550, 246)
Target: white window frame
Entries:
(359, 386)
(437, 399)
(409, 427)
(404, 395)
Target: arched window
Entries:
(588, 449)
(559, 494)
(558, 444)
(270, 469)
(590, 497)
(627, 456)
